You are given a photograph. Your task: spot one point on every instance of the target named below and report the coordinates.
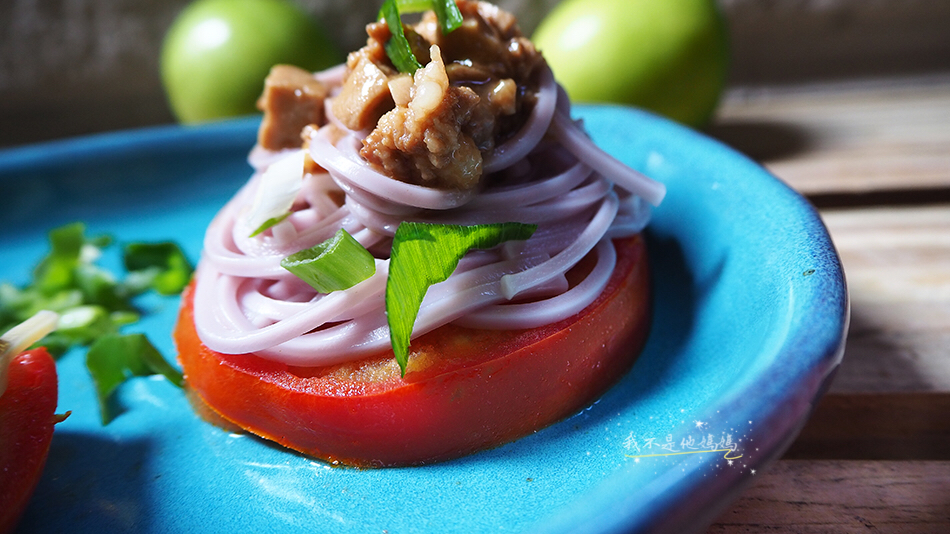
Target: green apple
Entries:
(217, 53)
(668, 56)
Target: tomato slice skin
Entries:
(27, 416)
(464, 390)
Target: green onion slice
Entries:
(338, 263)
(278, 189)
(450, 18)
(115, 357)
(398, 48)
(56, 271)
(160, 266)
(412, 6)
(426, 254)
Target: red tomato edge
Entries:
(550, 373)
(27, 417)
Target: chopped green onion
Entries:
(398, 48)
(99, 286)
(338, 263)
(446, 11)
(56, 270)
(90, 299)
(426, 254)
(84, 324)
(91, 303)
(413, 6)
(450, 18)
(276, 193)
(159, 266)
(114, 358)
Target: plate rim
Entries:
(689, 502)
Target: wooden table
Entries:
(874, 157)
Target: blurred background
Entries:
(70, 67)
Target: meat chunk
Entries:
(434, 128)
(489, 54)
(502, 96)
(422, 140)
(484, 40)
(292, 99)
(365, 94)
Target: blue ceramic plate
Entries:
(750, 315)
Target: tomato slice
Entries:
(464, 390)
(27, 416)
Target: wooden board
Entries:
(875, 455)
(846, 138)
(897, 262)
(877, 426)
(844, 496)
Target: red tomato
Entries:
(26, 428)
(464, 390)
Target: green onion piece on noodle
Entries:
(338, 263)
(278, 189)
(426, 254)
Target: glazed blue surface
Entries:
(750, 315)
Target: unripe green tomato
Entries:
(217, 53)
(668, 56)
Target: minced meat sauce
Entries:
(476, 89)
